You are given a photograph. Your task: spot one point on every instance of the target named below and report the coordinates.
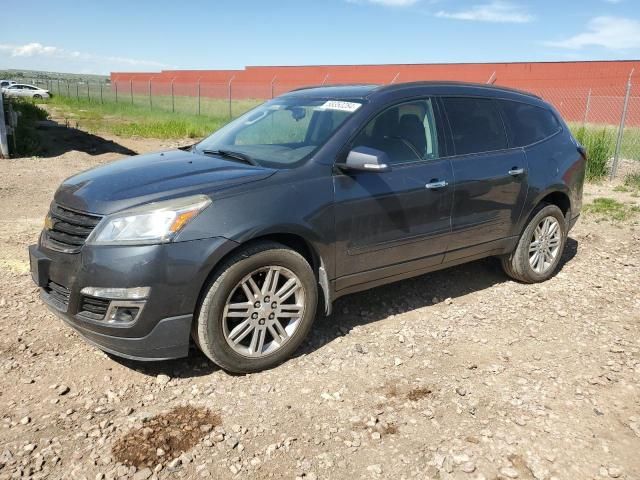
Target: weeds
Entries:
(26, 141)
(600, 148)
(611, 209)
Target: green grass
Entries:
(134, 120)
(600, 145)
(630, 146)
(26, 139)
(608, 208)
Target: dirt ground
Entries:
(460, 374)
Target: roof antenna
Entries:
(492, 78)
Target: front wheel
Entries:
(540, 247)
(258, 309)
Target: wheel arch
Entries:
(293, 240)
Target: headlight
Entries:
(153, 223)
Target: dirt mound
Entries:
(165, 436)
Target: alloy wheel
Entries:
(545, 244)
(263, 311)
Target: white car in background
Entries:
(24, 90)
(6, 83)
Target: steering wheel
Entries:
(407, 144)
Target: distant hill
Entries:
(28, 76)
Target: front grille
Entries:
(94, 308)
(68, 229)
(58, 295)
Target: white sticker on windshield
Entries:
(342, 106)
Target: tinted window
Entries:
(528, 124)
(406, 132)
(476, 125)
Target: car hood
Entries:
(153, 177)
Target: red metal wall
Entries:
(565, 84)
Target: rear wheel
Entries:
(540, 247)
(258, 309)
(37, 96)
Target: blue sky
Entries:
(98, 37)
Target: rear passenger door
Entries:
(490, 177)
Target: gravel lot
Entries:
(460, 374)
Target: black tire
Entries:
(208, 328)
(37, 96)
(517, 264)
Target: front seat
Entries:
(411, 129)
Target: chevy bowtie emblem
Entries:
(48, 223)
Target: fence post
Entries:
(88, 96)
(77, 91)
(173, 102)
(68, 90)
(59, 91)
(116, 89)
(273, 81)
(150, 100)
(4, 146)
(623, 118)
(131, 89)
(101, 99)
(198, 97)
(230, 110)
(586, 109)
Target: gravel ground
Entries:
(460, 374)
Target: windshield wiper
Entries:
(243, 157)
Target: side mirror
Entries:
(367, 159)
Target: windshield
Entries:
(281, 133)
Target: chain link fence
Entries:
(611, 111)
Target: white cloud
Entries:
(497, 11)
(613, 33)
(36, 55)
(388, 3)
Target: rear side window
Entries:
(476, 125)
(527, 124)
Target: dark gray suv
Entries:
(322, 192)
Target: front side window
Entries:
(527, 123)
(476, 125)
(283, 132)
(405, 132)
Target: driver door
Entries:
(388, 223)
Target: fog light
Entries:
(135, 293)
(123, 314)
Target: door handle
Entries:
(434, 185)
(516, 171)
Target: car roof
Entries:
(367, 91)
(352, 91)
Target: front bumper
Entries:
(175, 273)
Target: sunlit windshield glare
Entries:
(282, 132)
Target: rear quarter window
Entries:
(476, 125)
(527, 124)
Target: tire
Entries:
(518, 265)
(214, 332)
(37, 96)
